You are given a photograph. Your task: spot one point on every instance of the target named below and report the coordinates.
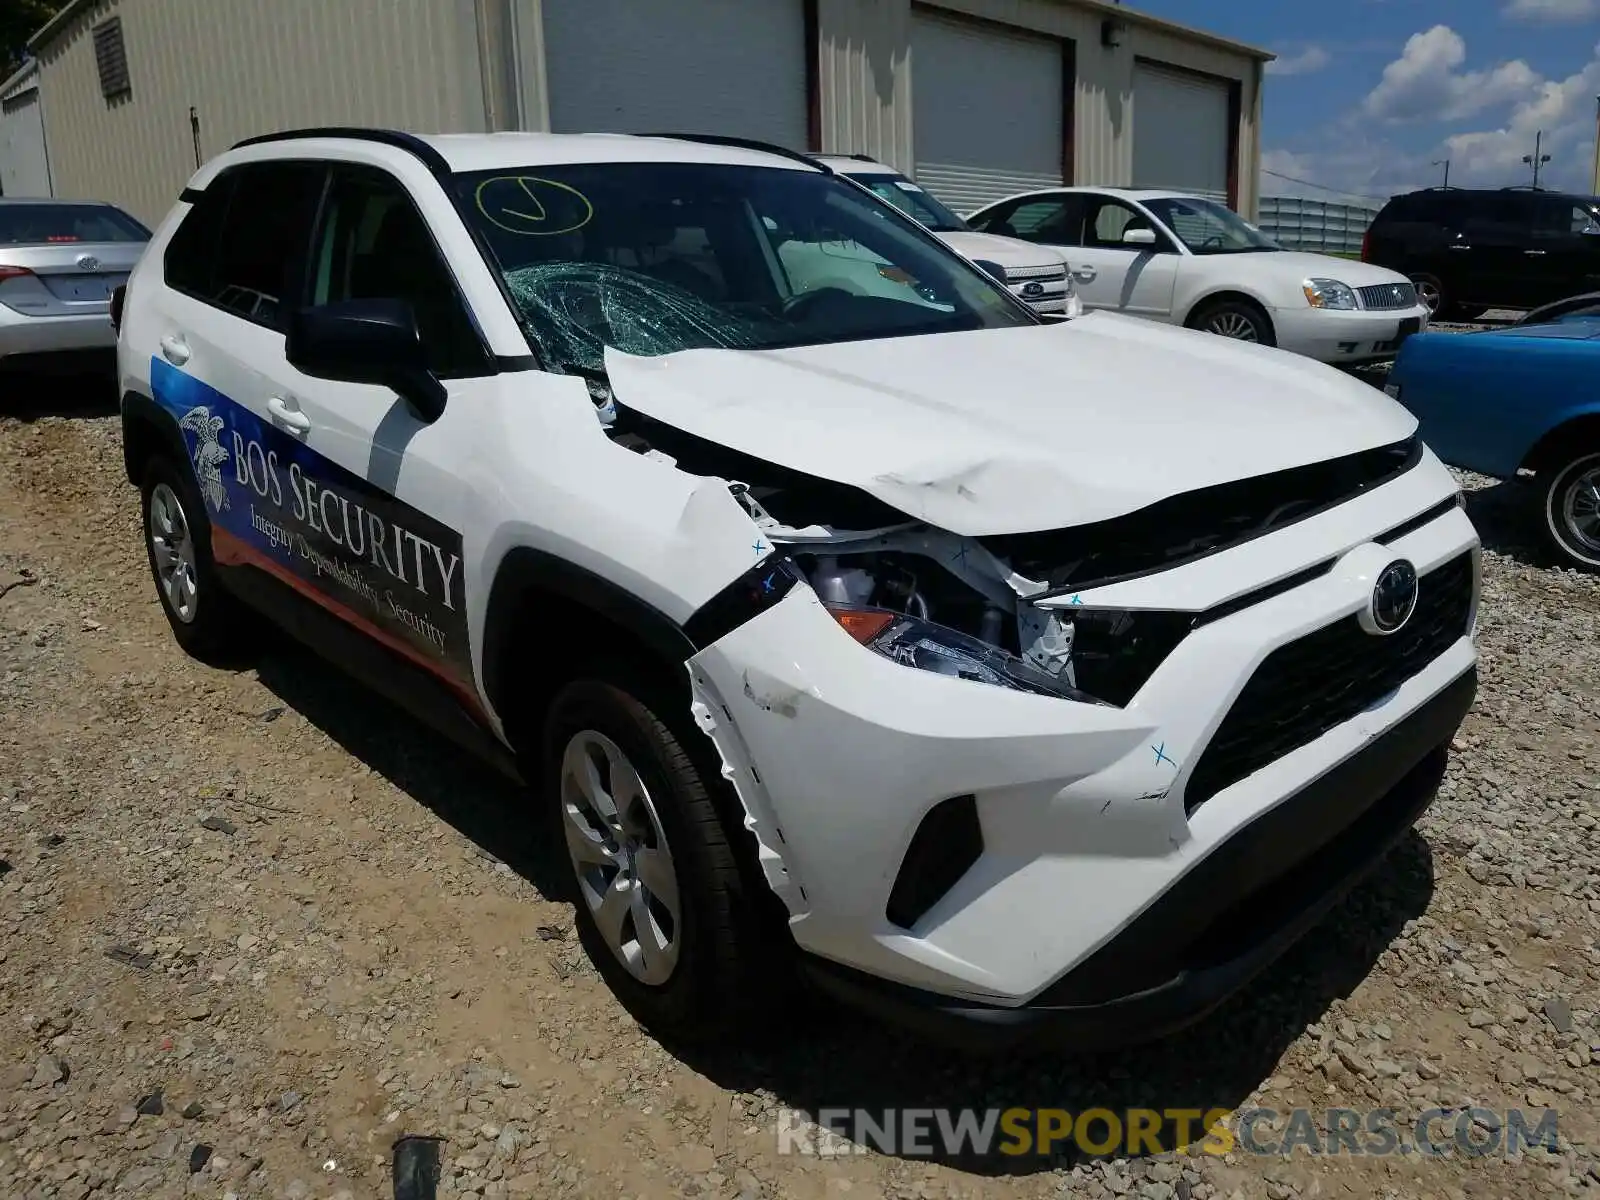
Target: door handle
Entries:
(290, 418)
(1086, 274)
(174, 349)
(1461, 246)
(1534, 253)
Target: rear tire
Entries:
(662, 907)
(204, 616)
(1570, 506)
(1237, 319)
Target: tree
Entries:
(19, 21)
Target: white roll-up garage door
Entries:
(986, 110)
(1180, 132)
(730, 67)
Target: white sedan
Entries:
(1195, 262)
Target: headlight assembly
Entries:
(913, 642)
(1328, 293)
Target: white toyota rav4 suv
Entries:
(1017, 681)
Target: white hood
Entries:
(1294, 266)
(1008, 252)
(1018, 430)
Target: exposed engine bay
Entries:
(914, 593)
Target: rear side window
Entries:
(246, 251)
(52, 224)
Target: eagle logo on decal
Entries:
(209, 454)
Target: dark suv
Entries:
(1468, 250)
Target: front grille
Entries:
(1043, 272)
(1380, 296)
(1302, 690)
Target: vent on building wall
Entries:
(111, 59)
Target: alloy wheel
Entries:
(620, 855)
(1428, 292)
(1233, 324)
(172, 551)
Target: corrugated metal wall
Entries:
(24, 166)
(248, 67)
(866, 80)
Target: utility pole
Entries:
(1596, 180)
(1445, 163)
(1536, 159)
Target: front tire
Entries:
(1571, 511)
(662, 909)
(1236, 319)
(203, 615)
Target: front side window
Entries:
(652, 258)
(1206, 227)
(1110, 220)
(373, 244)
(242, 247)
(45, 224)
(913, 200)
(1562, 218)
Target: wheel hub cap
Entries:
(620, 855)
(1581, 510)
(172, 551)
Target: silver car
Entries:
(60, 261)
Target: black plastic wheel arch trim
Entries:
(525, 573)
(751, 594)
(142, 410)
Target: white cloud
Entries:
(1553, 11)
(1354, 154)
(1312, 58)
(1426, 83)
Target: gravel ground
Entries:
(254, 925)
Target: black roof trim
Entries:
(717, 139)
(409, 142)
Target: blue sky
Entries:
(1368, 94)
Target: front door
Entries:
(373, 496)
(1109, 273)
(1563, 256)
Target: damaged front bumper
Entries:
(1083, 890)
(1221, 925)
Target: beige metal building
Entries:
(975, 98)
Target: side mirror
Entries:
(1139, 237)
(1590, 231)
(993, 269)
(367, 341)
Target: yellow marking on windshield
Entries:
(531, 216)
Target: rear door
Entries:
(215, 332)
(63, 259)
(1564, 252)
(1495, 241)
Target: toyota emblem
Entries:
(1394, 599)
(88, 262)
(1033, 289)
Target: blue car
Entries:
(1523, 398)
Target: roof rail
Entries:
(717, 139)
(409, 142)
